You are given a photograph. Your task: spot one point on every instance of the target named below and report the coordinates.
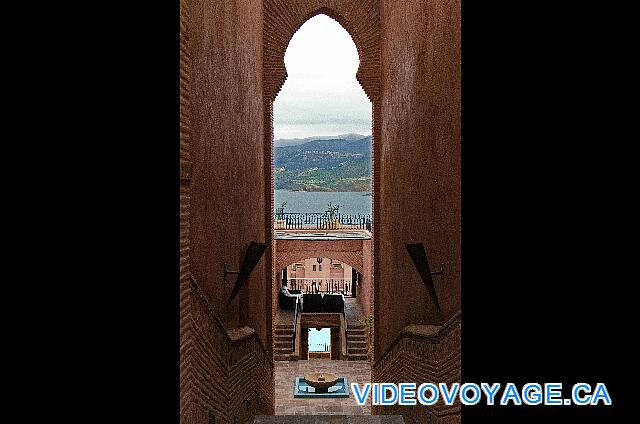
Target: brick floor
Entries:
(286, 371)
(328, 419)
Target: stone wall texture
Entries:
(419, 163)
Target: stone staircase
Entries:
(356, 343)
(283, 342)
(328, 419)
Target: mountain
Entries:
(282, 142)
(324, 164)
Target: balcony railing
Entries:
(321, 285)
(320, 221)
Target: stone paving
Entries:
(286, 371)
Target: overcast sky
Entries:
(321, 95)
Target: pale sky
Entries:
(321, 95)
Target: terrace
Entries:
(321, 221)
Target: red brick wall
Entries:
(365, 288)
(229, 379)
(186, 335)
(418, 358)
(347, 251)
(419, 160)
(227, 151)
(232, 68)
(221, 140)
(282, 18)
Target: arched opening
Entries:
(322, 132)
(321, 275)
(350, 340)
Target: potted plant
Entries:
(280, 222)
(333, 219)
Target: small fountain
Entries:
(321, 385)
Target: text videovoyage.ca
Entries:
(488, 393)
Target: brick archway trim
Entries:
(353, 259)
(361, 19)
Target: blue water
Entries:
(313, 201)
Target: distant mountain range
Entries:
(282, 142)
(337, 163)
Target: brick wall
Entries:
(291, 251)
(422, 354)
(365, 288)
(419, 162)
(221, 140)
(186, 336)
(231, 379)
(228, 182)
(232, 67)
(282, 18)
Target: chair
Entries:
(312, 302)
(333, 303)
(286, 299)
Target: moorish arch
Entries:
(351, 252)
(361, 19)
(281, 20)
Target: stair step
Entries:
(357, 357)
(282, 345)
(357, 343)
(354, 331)
(285, 350)
(284, 332)
(284, 337)
(281, 357)
(284, 326)
(356, 350)
(335, 419)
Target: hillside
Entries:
(321, 164)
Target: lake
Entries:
(356, 202)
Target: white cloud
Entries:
(321, 95)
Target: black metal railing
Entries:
(322, 285)
(319, 347)
(321, 221)
(295, 320)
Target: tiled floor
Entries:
(286, 371)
